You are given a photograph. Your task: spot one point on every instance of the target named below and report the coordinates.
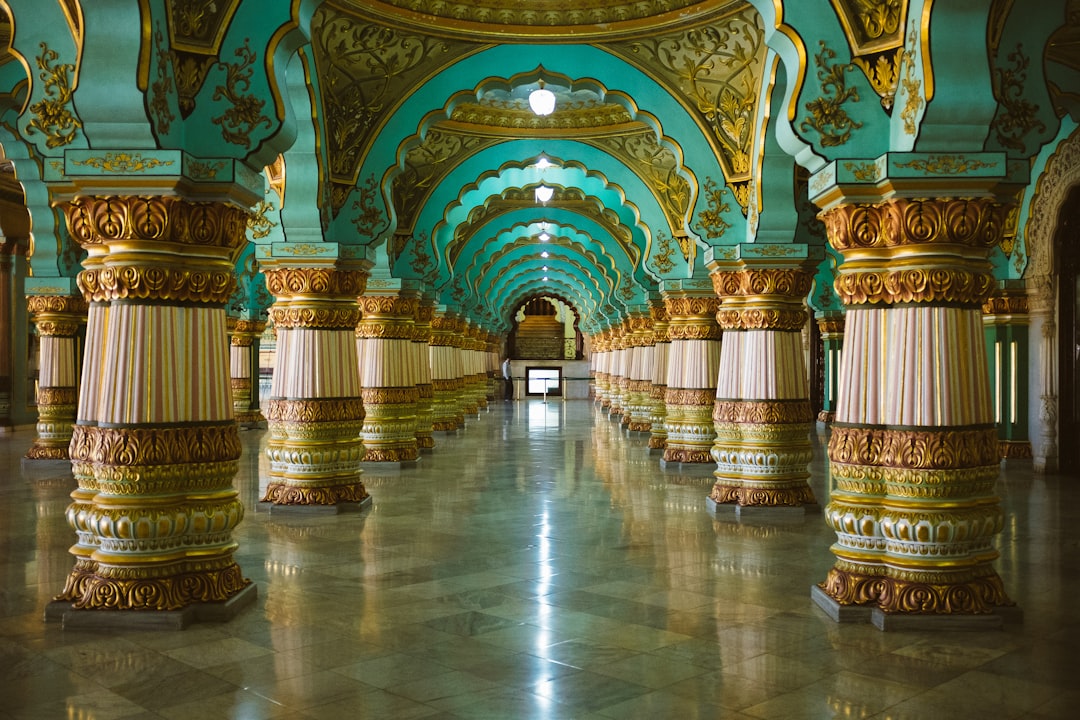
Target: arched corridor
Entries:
(539, 565)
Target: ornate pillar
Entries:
(617, 370)
(244, 370)
(59, 319)
(762, 414)
(1005, 326)
(602, 378)
(315, 412)
(425, 393)
(913, 450)
(831, 328)
(7, 334)
(638, 411)
(445, 381)
(1042, 296)
(658, 386)
(473, 377)
(388, 374)
(491, 366)
(693, 363)
(155, 447)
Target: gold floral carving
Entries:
(94, 220)
(365, 68)
(713, 69)
(134, 446)
(321, 282)
(53, 117)
(658, 166)
(1017, 115)
(258, 223)
(390, 395)
(683, 308)
(696, 331)
(689, 396)
(245, 113)
(762, 411)
(90, 590)
(248, 327)
(911, 83)
(384, 330)
(971, 222)
(755, 318)
(914, 449)
(674, 453)
(314, 410)
(389, 306)
(1015, 449)
(796, 495)
(831, 325)
(57, 396)
(323, 318)
(122, 162)
(969, 596)
(946, 165)
(785, 282)
(156, 283)
(1015, 303)
(911, 286)
(661, 259)
(711, 220)
(284, 494)
(827, 114)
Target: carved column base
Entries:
(1015, 449)
(91, 586)
(250, 418)
(762, 453)
(689, 423)
(315, 451)
(56, 420)
(971, 592)
(389, 429)
(826, 416)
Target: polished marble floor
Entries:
(539, 564)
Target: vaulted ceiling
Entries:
(398, 134)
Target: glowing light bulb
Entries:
(544, 193)
(542, 101)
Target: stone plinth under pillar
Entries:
(62, 612)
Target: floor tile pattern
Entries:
(539, 564)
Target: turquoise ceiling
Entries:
(684, 132)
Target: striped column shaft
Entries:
(155, 447)
(444, 373)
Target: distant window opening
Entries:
(543, 381)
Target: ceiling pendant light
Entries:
(544, 193)
(542, 100)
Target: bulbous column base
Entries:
(762, 452)
(315, 451)
(92, 586)
(689, 423)
(56, 421)
(968, 592)
(389, 429)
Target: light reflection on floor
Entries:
(539, 564)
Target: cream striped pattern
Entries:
(693, 364)
(387, 362)
(240, 361)
(315, 363)
(57, 362)
(762, 365)
(921, 366)
(155, 364)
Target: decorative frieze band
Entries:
(314, 410)
(131, 446)
(94, 220)
(900, 222)
(762, 411)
